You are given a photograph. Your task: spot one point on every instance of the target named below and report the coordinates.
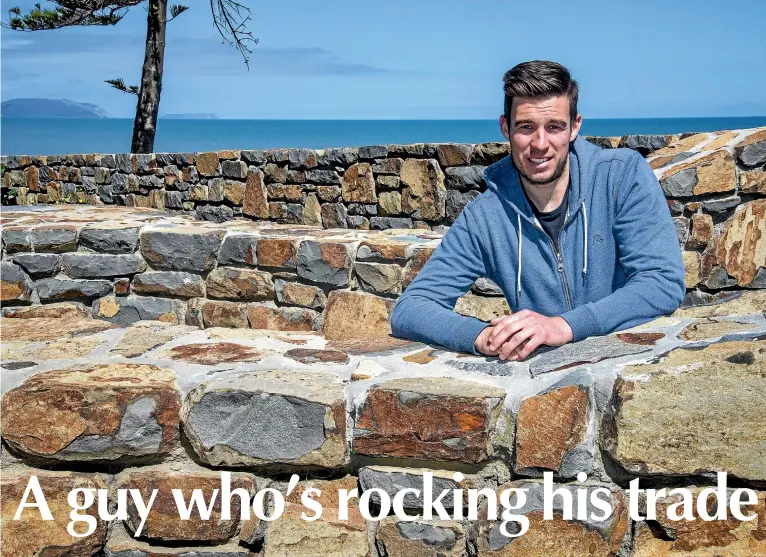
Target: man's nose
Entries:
(540, 140)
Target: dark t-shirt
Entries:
(553, 221)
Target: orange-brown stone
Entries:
(207, 163)
(280, 319)
(415, 264)
(358, 184)
(276, 252)
(224, 314)
(741, 249)
(753, 182)
(215, 353)
(702, 230)
(355, 315)
(255, 202)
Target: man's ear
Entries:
(576, 125)
(504, 127)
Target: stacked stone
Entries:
(81, 397)
(423, 186)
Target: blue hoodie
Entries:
(620, 258)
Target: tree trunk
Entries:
(145, 124)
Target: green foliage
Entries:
(119, 84)
(66, 14)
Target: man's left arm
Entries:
(649, 254)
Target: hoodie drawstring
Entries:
(585, 240)
(518, 271)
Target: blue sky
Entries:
(413, 59)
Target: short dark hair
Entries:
(538, 79)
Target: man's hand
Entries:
(514, 337)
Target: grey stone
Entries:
(362, 209)
(334, 215)
(759, 281)
(719, 278)
(644, 144)
(456, 202)
(680, 184)
(427, 533)
(253, 157)
(486, 287)
(139, 434)
(326, 177)
(141, 308)
(110, 240)
(676, 207)
(379, 277)
(358, 222)
(180, 251)
(169, 283)
(388, 166)
(392, 481)
(238, 249)
(215, 213)
(681, 157)
(101, 175)
(487, 366)
(464, 177)
(40, 240)
(589, 350)
(383, 223)
(89, 184)
(105, 193)
(234, 169)
(39, 264)
(370, 152)
(721, 205)
(682, 229)
(215, 189)
(259, 426)
(177, 159)
(603, 142)
(753, 154)
(302, 158)
(276, 155)
(150, 182)
(46, 174)
(417, 150)
(86, 171)
(293, 213)
(344, 156)
(53, 289)
(91, 265)
(275, 173)
(145, 162)
(297, 177)
(174, 200)
(12, 274)
(312, 266)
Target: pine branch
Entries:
(176, 10)
(67, 13)
(119, 84)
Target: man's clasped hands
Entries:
(514, 337)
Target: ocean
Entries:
(56, 136)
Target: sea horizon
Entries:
(58, 136)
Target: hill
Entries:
(51, 108)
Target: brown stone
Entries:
(239, 284)
(372, 345)
(415, 264)
(207, 164)
(382, 278)
(682, 145)
(424, 196)
(31, 535)
(312, 212)
(423, 357)
(32, 175)
(548, 427)
(296, 294)
(753, 182)
(312, 356)
(334, 215)
(44, 328)
(691, 261)
(358, 184)
(228, 155)
(383, 250)
(390, 203)
(354, 315)
(143, 336)
(742, 246)
(658, 162)
(164, 523)
(54, 190)
(224, 314)
(277, 252)
(77, 413)
(721, 141)
(484, 308)
(211, 354)
(49, 311)
(454, 154)
(711, 328)
(281, 319)
(199, 193)
(702, 538)
(646, 339)
(715, 172)
(328, 193)
(234, 192)
(702, 230)
(428, 419)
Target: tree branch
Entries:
(230, 18)
(68, 13)
(119, 84)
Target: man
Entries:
(579, 239)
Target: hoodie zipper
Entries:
(560, 260)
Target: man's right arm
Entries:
(425, 312)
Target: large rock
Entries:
(31, 535)
(711, 173)
(40, 240)
(296, 294)
(91, 265)
(752, 151)
(39, 264)
(164, 523)
(711, 418)
(274, 419)
(559, 537)
(419, 538)
(223, 314)
(485, 308)
(355, 315)
(281, 318)
(169, 283)
(380, 278)
(94, 412)
(15, 285)
(125, 311)
(255, 203)
(465, 177)
(555, 429)
(742, 246)
(109, 240)
(699, 537)
(277, 252)
(49, 311)
(454, 154)
(180, 249)
(358, 184)
(40, 329)
(432, 418)
(238, 249)
(424, 195)
(325, 261)
(143, 336)
(239, 284)
(53, 289)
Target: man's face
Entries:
(540, 132)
